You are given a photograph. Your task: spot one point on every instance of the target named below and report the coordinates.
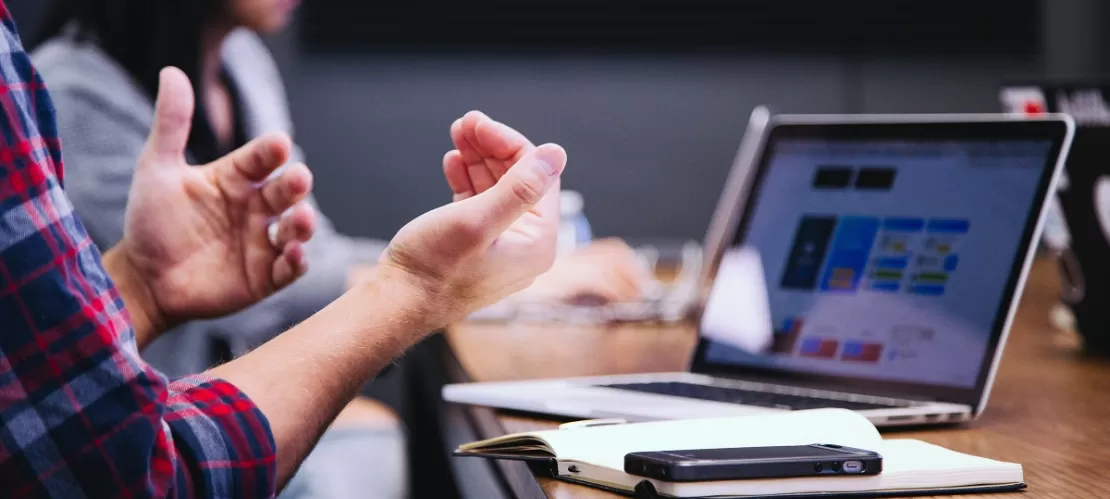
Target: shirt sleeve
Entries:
(82, 414)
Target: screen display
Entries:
(883, 259)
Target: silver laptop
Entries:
(891, 252)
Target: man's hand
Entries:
(196, 241)
(497, 236)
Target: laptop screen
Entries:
(885, 258)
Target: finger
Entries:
(468, 150)
(609, 244)
(470, 156)
(291, 264)
(297, 225)
(603, 286)
(173, 115)
(502, 142)
(480, 177)
(628, 282)
(478, 163)
(290, 187)
(470, 123)
(246, 166)
(629, 268)
(457, 177)
(525, 187)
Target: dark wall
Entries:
(650, 138)
(650, 104)
(650, 134)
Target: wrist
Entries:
(417, 300)
(147, 318)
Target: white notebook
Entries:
(595, 456)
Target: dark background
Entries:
(650, 98)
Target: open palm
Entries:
(198, 235)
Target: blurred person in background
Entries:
(101, 60)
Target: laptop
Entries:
(892, 251)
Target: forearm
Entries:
(304, 377)
(137, 298)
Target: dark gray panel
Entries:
(938, 86)
(650, 139)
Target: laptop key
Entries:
(744, 397)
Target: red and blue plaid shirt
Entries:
(81, 414)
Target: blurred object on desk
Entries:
(574, 228)
(737, 312)
(668, 297)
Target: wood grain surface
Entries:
(1049, 410)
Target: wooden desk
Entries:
(1049, 410)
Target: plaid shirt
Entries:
(81, 414)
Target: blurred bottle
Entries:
(574, 229)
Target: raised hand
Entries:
(607, 270)
(500, 232)
(196, 237)
(484, 151)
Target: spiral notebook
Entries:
(594, 456)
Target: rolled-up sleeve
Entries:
(81, 414)
(224, 443)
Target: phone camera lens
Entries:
(818, 467)
(835, 467)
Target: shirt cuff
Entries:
(222, 438)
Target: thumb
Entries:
(173, 115)
(524, 187)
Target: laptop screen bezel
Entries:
(906, 128)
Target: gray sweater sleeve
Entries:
(100, 147)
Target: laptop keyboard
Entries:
(745, 397)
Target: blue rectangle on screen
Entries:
(903, 224)
(811, 345)
(849, 253)
(898, 263)
(950, 262)
(949, 226)
(927, 290)
(889, 286)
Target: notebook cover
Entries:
(509, 457)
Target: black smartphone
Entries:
(753, 462)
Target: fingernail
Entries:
(550, 159)
(545, 167)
